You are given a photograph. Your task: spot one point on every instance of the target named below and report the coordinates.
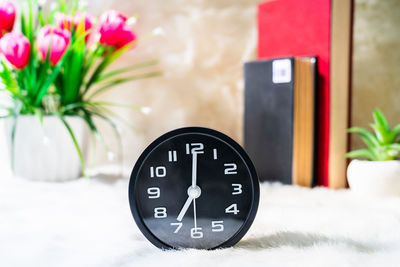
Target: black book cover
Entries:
(268, 117)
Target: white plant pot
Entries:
(47, 152)
(379, 178)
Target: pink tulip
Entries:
(83, 23)
(63, 21)
(113, 30)
(7, 16)
(125, 37)
(16, 49)
(58, 41)
(80, 22)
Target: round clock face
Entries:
(194, 188)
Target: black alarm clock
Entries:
(194, 188)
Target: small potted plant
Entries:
(52, 68)
(379, 171)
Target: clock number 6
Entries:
(196, 232)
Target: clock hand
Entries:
(184, 208)
(194, 169)
(193, 191)
(194, 213)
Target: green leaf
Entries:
(396, 131)
(110, 84)
(23, 24)
(116, 132)
(395, 146)
(63, 6)
(126, 69)
(368, 138)
(43, 71)
(72, 74)
(42, 20)
(384, 137)
(50, 79)
(380, 120)
(30, 22)
(361, 153)
(39, 114)
(8, 79)
(16, 112)
(78, 149)
(106, 62)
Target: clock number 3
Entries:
(237, 189)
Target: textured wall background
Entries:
(201, 54)
(376, 62)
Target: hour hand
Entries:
(193, 193)
(184, 208)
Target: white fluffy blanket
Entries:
(87, 222)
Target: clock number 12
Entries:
(192, 148)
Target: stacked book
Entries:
(297, 94)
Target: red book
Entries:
(302, 28)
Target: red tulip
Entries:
(55, 39)
(7, 16)
(113, 30)
(16, 49)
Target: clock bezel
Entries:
(199, 130)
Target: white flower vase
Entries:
(379, 178)
(46, 152)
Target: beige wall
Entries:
(376, 62)
(202, 52)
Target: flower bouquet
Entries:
(56, 63)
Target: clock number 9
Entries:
(153, 192)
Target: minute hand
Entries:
(194, 169)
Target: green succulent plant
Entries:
(382, 144)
